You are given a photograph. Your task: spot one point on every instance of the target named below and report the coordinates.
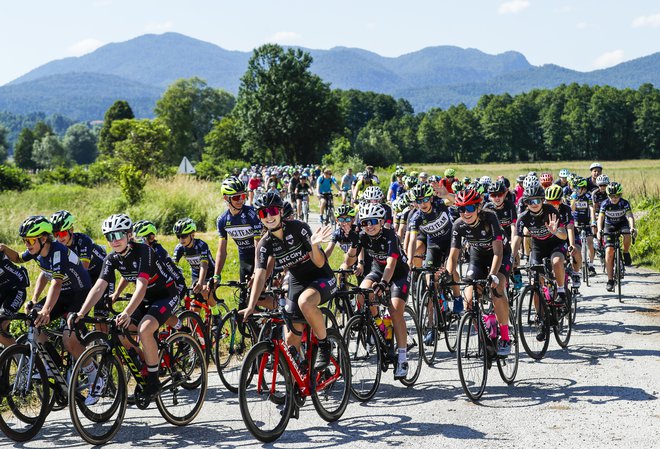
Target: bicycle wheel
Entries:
(564, 326)
(532, 327)
(23, 406)
(414, 341)
(471, 356)
(617, 267)
(194, 325)
(508, 366)
(97, 422)
(183, 378)
(341, 307)
(231, 347)
(585, 259)
(265, 393)
(331, 388)
(365, 357)
(452, 321)
(428, 323)
(419, 290)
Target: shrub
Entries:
(131, 182)
(13, 178)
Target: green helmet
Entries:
(184, 226)
(34, 226)
(554, 193)
(422, 191)
(614, 189)
(344, 209)
(410, 182)
(232, 186)
(450, 173)
(414, 174)
(580, 182)
(457, 186)
(62, 220)
(143, 228)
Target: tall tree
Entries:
(50, 153)
(4, 144)
(647, 121)
(144, 144)
(80, 143)
(286, 112)
(23, 150)
(120, 110)
(190, 108)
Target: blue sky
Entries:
(581, 35)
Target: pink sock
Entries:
(504, 331)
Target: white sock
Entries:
(560, 290)
(403, 356)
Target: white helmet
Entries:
(532, 173)
(373, 193)
(531, 182)
(117, 222)
(486, 180)
(372, 210)
(602, 180)
(595, 165)
(563, 173)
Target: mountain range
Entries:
(139, 71)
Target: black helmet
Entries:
(267, 200)
(287, 210)
(497, 187)
(534, 191)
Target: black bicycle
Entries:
(619, 268)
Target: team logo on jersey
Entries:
(289, 239)
(483, 232)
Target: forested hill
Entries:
(140, 69)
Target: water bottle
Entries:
(380, 325)
(546, 293)
(517, 280)
(389, 329)
(491, 325)
(282, 302)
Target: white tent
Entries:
(185, 167)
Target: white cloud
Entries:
(647, 21)
(513, 6)
(582, 25)
(84, 46)
(284, 37)
(609, 59)
(153, 27)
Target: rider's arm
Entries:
(39, 286)
(11, 254)
(388, 272)
(53, 294)
(329, 249)
(93, 296)
(452, 260)
(258, 283)
(120, 287)
(349, 259)
(220, 256)
(498, 250)
(412, 247)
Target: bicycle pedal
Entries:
(295, 414)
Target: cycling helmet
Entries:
(602, 180)
(422, 191)
(62, 220)
(554, 193)
(534, 191)
(396, 205)
(457, 186)
(450, 173)
(532, 173)
(410, 182)
(467, 197)
(345, 209)
(434, 178)
(270, 199)
(367, 176)
(34, 226)
(614, 189)
(143, 228)
(373, 193)
(486, 180)
(372, 210)
(423, 175)
(520, 178)
(399, 172)
(595, 165)
(497, 187)
(467, 180)
(232, 186)
(546, 179)
(404, 200)
(563, 173)
(580, 182)
(117, 222)
(287, 210)
(531, 181)
(184, 226)
(414, 174)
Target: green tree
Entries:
(286, 112)
(41, 130)
(23, 150)
(224, 140)
(144, 144)
(340, 152)
(120, 110)
(190, 108)
(4, 145)
(80, 143)
(375, 147)
(131, 182)
(50, 153)
(647, 120)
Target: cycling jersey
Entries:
(62, 263)
(88, 251)
(12, 276)
(293, 183)
(535, 223)
(379, 248)
(140, 261)
(436, 224)
(345, 242)
(243, 228)
(347, 181)
(401, 218)
(397, 190)
(565, 214)
(196, 254)
(580, 204)
(171, 268)
(506, 214)
(325, 184)
(598, 196)
(303, 189)
(615, 214)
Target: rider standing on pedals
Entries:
(489, 257)
(388, 270)
(311, 280)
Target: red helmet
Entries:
(467, 197)
(546, 179)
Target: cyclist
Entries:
(62, 269)
(563, 178)
(548, 235)
(197, 253)
(151, 304)
(241, 223)
(293, 183)
(449, 179)
(584, 216)
(507, 216)
(346, 184)
(596, 170)
(519, 189)
(311, 280)
(302, 192)
(615, 216)
(397, 187)
(13, 282)
(362, 184)
(346, 233)
(324, 191)
(546, 180)
(489, 257)
(253, 185)
(374, 195)
(553, 196)
(389, 270)
(401, 210)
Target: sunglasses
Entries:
(534, 202)
(344, 219)
(614, 196)
(555, 203)
(61, 234)
(239, 197)
(265, 212)
(182, 236)
(469, 209)
(369, 222)
(423, 200)
(115, 235)
(496, 195)
(30, 241)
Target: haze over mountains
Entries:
(139, 70)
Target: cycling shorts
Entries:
(480, 266)
(11, 301)
(325, 286)
(69, 302)
(541, 250)
(400, 287)
(623, 228)
(161, 309)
